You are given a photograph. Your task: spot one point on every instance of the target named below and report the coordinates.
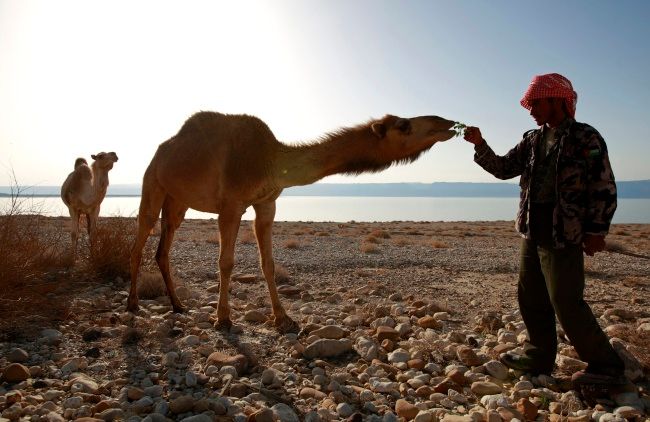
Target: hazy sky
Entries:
(79, 77)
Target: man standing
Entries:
(568, 198)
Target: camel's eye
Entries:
(403, 125)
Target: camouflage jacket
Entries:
(585, 186)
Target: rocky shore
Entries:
(400, 321)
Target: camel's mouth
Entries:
(442, 135)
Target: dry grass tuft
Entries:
(401, 241)
(635, 281)
(28, 250)
(151, 286)
(614, 246)
(437, 244)
(28, 247)
(247, 237)
(132, 336)
(371, 239)
(367, 247)
(281, 275)
(382, 234)
(213, 238)
(111, 250)
(291, 244)
(414, 233)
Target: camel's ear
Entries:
(379, 129)
(403, 125)
(93, 156)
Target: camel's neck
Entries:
(100, 182)
(347, 151)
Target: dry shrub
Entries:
(111, 249)
(635, 281)
(151, 286)
(382, 234)
(247, 237)
(194, 236)
(28, 251)
(213, 238)
(371, 239)
(369, 247)
(400, 241)
(292, 244)
(437, 244)
(362, 273)
(131, 336)
(281, 275)
(614, 246)
(31, 254)
(29, 247)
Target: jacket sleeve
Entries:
(601, 186)
(503, 167)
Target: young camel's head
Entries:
(104, 160)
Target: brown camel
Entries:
(223, 164)
(84, 190)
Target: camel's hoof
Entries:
(223, 324)
(132, 307)
(179, 309)
(286, 325)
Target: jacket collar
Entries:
(562, 129)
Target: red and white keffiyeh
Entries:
(551, 85)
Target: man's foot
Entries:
(595, 387)
(592, 378)
(523, 363)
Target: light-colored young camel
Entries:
(84, 190)
(223, 164)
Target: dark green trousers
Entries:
(552, 282)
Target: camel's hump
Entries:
(209, 122)
(82, 172)
(80, 161)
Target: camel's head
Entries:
(404, 139)
(104, 160)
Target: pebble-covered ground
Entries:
(400, 321)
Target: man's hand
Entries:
(593, 243)
(473, 135)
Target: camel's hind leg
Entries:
(150, 205)
(264, 215)
(173, 214)
(229, 221)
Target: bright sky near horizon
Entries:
(79, 77)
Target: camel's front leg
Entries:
(228, 227)
(92, 217)
(264, 215)
(74, 233)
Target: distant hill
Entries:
(626, 189)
